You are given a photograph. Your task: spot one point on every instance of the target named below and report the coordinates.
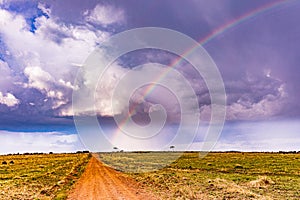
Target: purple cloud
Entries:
(258, 59)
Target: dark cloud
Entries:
(258, 59)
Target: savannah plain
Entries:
(231, 175)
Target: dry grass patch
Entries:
(261, 182)
(40, 176)
(222, 176)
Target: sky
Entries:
(44, 46)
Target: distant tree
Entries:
(172, 147)
(115, 148)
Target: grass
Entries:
(41, 176)
(218, 175)
(138, 162)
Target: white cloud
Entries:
(261, 136)
(256, 136)
(49, 57)
(9, 99)
(42, 80)
(116, 75)
(68, 84)
(44, 9)
(14, 142)
(105, 91)
(105, 15)
(102, 93)
(6, 80)
(38, 78)
(268, 106)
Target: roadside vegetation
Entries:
(40, 176)
(220, 175)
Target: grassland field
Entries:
(44, 176)
(216, 176)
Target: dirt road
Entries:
(102, 182)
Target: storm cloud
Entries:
(43, 48)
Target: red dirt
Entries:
(102, 182)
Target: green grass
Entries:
(220, 175)
(40, 176)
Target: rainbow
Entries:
(213, 34)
